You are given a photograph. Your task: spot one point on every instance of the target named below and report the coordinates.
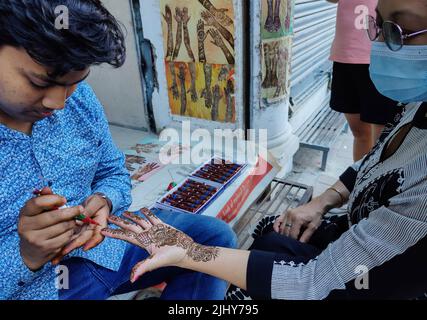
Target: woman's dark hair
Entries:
(93, 36)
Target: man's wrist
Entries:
(107, 200)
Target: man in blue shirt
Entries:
(56, 150)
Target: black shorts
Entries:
(353, 92)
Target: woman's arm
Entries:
(229, 264)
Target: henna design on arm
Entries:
(148, 213)
(274, 62)
(185, 19)
(207, 91)
(174, 87)
(217, 96)
(281, 68)
(269, 23)
(229, 92)
(223, 73)
(219, 14)
(162, 235)
(181, 77)
(277, 22)
(178, 18)
(168, 18)
(217, 40)
(288, 16)
(267, 59)
(201, 37)
(117, 219)
(193, 89)
(123, 233)
(210, 21)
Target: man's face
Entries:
(27, 93)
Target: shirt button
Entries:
(21, 283)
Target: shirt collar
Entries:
(7, 133)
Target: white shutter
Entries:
(314, 29)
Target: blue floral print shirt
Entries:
(73, 149)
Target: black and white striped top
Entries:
(388, 236)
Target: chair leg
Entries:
(325, 159)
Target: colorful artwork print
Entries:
(275, 69)
(198, 30)
(277, 18)
(145, 171)
(145, 147)
(204, 91)
(200, 58)
(132, 162)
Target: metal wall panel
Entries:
(314, 33)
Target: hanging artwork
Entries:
(276, 47)
(275, 69)
(200, 58)
(277, 18)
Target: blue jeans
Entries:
(89, 281)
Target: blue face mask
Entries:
(401, 75)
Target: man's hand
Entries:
(44, 229)
(88, 235)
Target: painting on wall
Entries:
(200, 58)
(276, 49)
(277, 18)
(276, 69)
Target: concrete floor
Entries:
(307, 164)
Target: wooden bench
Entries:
(321, 131)
(280, 196)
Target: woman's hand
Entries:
(166, 245)
(307, 217)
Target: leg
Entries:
(324, 159)
(362, 136)
(376, 132)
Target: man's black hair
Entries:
(94, 36)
